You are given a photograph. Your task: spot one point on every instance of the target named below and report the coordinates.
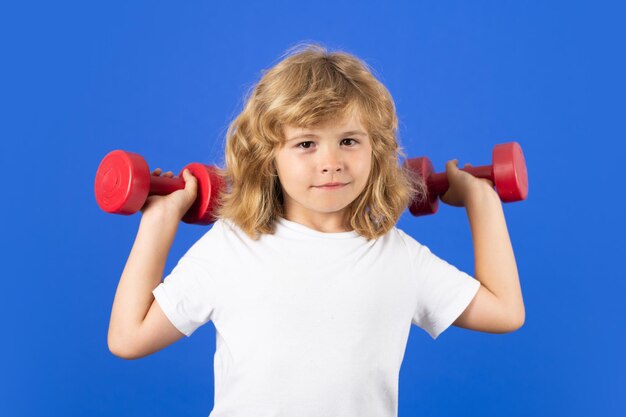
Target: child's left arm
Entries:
(498, 306)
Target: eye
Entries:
(304, 145)
(307, 145)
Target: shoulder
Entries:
(220, 228)
(402, 245)
(406, 239)
(224, 237)
(211, 240)
(419, 253)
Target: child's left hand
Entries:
(463, 185)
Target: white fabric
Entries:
(310, 323)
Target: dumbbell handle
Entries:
(165, 185)
(438, 182)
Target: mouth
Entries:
(331, 186)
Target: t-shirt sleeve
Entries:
(443, 291)
(187, 294)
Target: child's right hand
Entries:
(175, 204)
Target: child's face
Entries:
(325, 154)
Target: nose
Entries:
(331, 161)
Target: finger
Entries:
(146, 203)
(188, 174)
(191, 182)
(156, 171)
(451, 167)
(168, 174)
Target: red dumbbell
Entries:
(508, 173)
(123, 183)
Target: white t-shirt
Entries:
(310, 323)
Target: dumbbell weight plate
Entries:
(122, 182)
(426, 204)
(509, 172)
(209, 185)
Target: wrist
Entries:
(161, 216)
(481, 194)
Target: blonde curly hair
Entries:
(308, 87)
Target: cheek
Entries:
(290, 172)
(364, 167)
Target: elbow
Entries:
(522, 316)
(518, 321)
(120, 349)
(122, 354)
(116, 350)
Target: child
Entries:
(311, 287)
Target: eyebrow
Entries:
(313, 135)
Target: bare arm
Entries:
(494, 260)
(498, 307)
(143, 273)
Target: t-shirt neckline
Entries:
(315, 233)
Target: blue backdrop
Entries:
(164, 79)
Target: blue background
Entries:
(164, 79)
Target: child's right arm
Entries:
(138, 326)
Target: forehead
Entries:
(350, 124)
